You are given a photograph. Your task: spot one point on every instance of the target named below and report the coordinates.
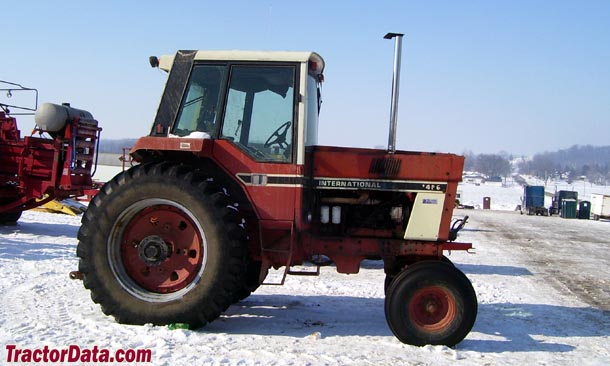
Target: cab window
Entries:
(259, 113)
(199, 108)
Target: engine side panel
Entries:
(381, 194)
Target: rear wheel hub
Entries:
(153, 250)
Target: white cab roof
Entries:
(166, 61)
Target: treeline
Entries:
(115, 146)
(492, 165)
(577, 161)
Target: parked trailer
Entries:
(600, 206)
(533, 201)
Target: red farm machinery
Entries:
(56, 164)
(232, 182)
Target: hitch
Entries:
(76, 275)
(456, 226)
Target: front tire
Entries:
(431, 303)
(156, 246)
(390, 277)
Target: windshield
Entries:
(259, 113)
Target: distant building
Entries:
(473, 178)
(494, 181)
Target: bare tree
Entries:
(493, 165)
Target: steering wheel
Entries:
(279, 136)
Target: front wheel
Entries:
(390, 277)
(156, 246)
(431, 303)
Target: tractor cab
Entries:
(263, 103)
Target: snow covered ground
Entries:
(104, 173)
(543, 286)
(501, 198)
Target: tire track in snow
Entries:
(571, 255)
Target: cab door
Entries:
(256, 143)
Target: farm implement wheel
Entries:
(9, 217)
(431, 302)
(156, 247)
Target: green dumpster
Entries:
(568, 208)
(584, 210)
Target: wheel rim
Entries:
(432, 309)
(157, 250)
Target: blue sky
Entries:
(483, 76)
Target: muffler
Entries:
(395, 88)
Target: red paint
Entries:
(183, 246)
(432, 308)
(31, 167)
(285, 236)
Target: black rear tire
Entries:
(156, 247)
(251, 280)
(431, 302)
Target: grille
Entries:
(386, 167)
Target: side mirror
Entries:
(154, 61)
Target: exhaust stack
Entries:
(395, 87)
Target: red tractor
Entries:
(231, 182)
(36, 170)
